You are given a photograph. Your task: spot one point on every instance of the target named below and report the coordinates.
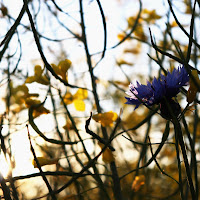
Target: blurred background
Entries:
(66, 62)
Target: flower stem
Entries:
(179, 134)
(179, 166)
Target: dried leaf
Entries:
(4, 10)
(107, 155)
(62, 68)
(44, 161)
(29, 102)
(68, 98)
(38, 77)
(193, 89)
(150, 16)
(136, 49)
(123, 62)
(38, 110)
(106, 119)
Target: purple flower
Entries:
(174, 81)
(153, 93)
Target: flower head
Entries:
(153, 93)
(174, 81)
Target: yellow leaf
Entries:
(64, 65)
(77, 99)
(19, 93)
(123, 62)
(29, 102)
(68, 98)
(134, 50)
(122, 83)
(150, 15)
(18, 96)
(138, 182)
(188, 8)
(22, 88)
(62, 68)
(68, 126)
(79, 104)
(38, 70)
(30, 79)
(193, 89)
(174, 24)
(106, 119)
(38, 77)
(37, 111)
(107, 155)
(81, 94)
(55, 68)
(43, 80)
(44, 161)
(131, 21)
(121, 36)
(139, 32)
